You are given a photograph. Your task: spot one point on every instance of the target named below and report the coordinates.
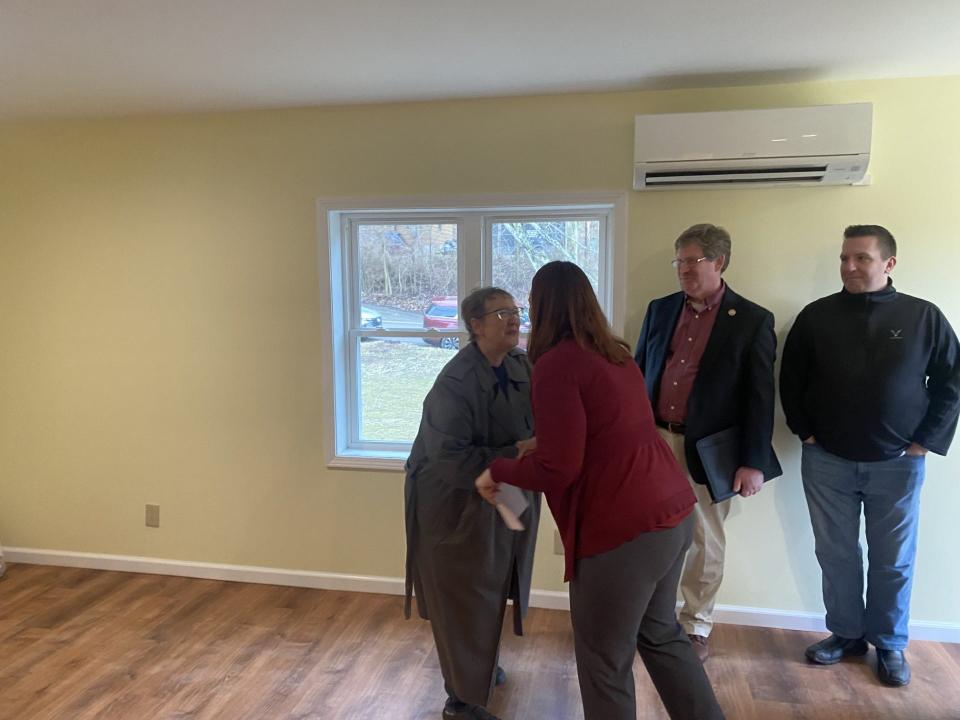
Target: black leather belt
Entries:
(676, 428)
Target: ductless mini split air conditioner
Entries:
(819, 145)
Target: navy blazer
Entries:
(734, 384)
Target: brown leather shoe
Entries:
(700, 647)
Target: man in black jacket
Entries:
(707, 356)
(870, 382)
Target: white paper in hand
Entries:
(511, 503)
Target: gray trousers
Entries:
(624, 601)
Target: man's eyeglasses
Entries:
(505, 313)
(687, 262)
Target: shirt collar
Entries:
(883, 294)
(713, 300)
(510, 364)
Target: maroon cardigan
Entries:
(607, 474)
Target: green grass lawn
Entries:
(394, 379)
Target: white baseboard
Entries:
(549, 599)
(208, 571)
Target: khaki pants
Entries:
(703, 569)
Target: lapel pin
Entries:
(731, 312)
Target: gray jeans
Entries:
(624, 601)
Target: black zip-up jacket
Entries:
(868, 373)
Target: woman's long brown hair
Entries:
(563, 306)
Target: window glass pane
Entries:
(395, 376)
(403, 269)
(522, 247)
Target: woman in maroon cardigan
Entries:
(622, 505)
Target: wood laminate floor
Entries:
(78, 644)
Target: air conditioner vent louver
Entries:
(735, 181)
(741, 171)
(809, 174)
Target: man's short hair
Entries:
(474, 305)
(713, 241)
(885, 242)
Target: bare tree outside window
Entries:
(404, 266)
(523, 247)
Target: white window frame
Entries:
(474, 216)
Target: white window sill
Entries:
(392, 462)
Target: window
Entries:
(397, 273)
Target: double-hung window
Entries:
(397, 274)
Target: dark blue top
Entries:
(501, 372)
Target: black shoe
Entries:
(500, 678)
(834, 648)
(456, 710)
(701, 646)
(462, 711)
(892, 668)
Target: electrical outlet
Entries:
(153, 516)
(557, 543)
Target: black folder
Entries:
(720, 456)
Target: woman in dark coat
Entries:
(462, 561)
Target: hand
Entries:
(748, 481)
(487, 488)
(526, 446)
(810, 441)
(915, 450)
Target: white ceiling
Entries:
(106, 57)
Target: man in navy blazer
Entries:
(707, 356)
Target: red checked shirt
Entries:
(686, 349)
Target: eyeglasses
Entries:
(687, 262)
(505, 313)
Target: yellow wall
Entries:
(161, 327)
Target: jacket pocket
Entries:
(467, 520)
